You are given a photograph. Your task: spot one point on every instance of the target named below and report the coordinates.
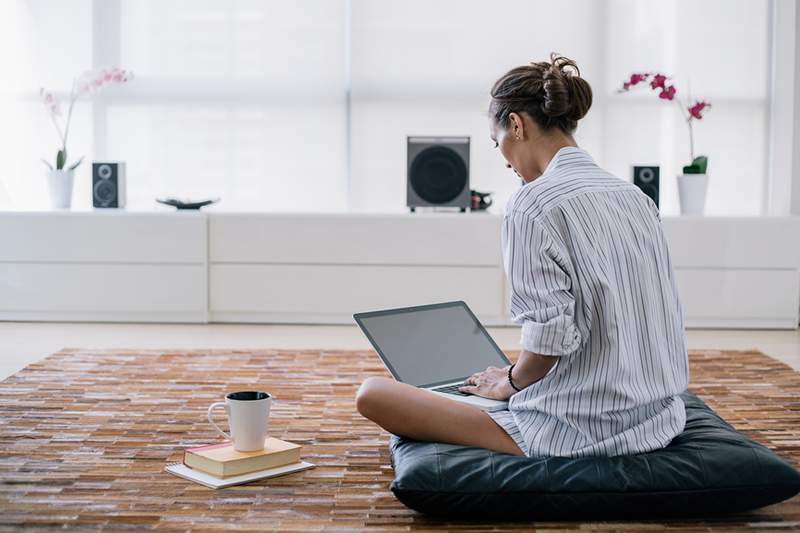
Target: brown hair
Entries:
(552, 93)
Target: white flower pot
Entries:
(692, 193)
(59, 183)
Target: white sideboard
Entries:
(103, 266)
(324, 268)
(737, 272)
(321, 268)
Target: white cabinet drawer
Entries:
(755, 243)
(116, 237)
(332, 293)
(35, 291)
(419, 239)
(715, 297)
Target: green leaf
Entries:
(61, 158)
(698, 166)
(73, 167)
(691, 169)
(701, 162)
(47, 163)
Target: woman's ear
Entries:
(516, 126)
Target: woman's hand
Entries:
(492, 383)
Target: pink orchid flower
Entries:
(50, 102)
(668, 93)
(638, 78)
(696, 110)
(90, 81)
(658, 83)
(635, 79)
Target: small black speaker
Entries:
(438, 172)
(647, 179)
(108, 184)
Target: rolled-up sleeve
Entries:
(541, 301)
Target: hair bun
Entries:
(565, 92)
(580, 97)
(555, 102)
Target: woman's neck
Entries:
(546, 147)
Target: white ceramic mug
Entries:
(248, 417)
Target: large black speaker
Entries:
(647, 179)
(438, 172)
(108, 184)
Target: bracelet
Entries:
(510, 380)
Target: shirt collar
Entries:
(566, 157)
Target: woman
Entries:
(603, 358)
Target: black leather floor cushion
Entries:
(709, 469)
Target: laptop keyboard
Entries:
(451, 389)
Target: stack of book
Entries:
(219, 465)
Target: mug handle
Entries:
(210, 419)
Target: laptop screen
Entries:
(431, 344)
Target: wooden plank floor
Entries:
(85, 434)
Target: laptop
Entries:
(434, 347)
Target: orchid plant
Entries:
(690, 113)
(88, 83)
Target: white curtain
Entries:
(248, 100)
(422, 67)
(241, 99)
(42, 44)
(717, 49)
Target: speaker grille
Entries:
(647, 179)
(438, 174)
(105, 192)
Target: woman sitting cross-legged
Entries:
(603, 357)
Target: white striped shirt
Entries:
(591, 281)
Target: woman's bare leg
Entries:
(418, 414)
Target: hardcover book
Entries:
(222, 461)
(212, 482)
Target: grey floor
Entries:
(22, 343)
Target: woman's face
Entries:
(509, 141)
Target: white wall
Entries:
(795, 206)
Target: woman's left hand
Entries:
(492, 383)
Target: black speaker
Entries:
(108, 184)
(438, 172)
(647, 179)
